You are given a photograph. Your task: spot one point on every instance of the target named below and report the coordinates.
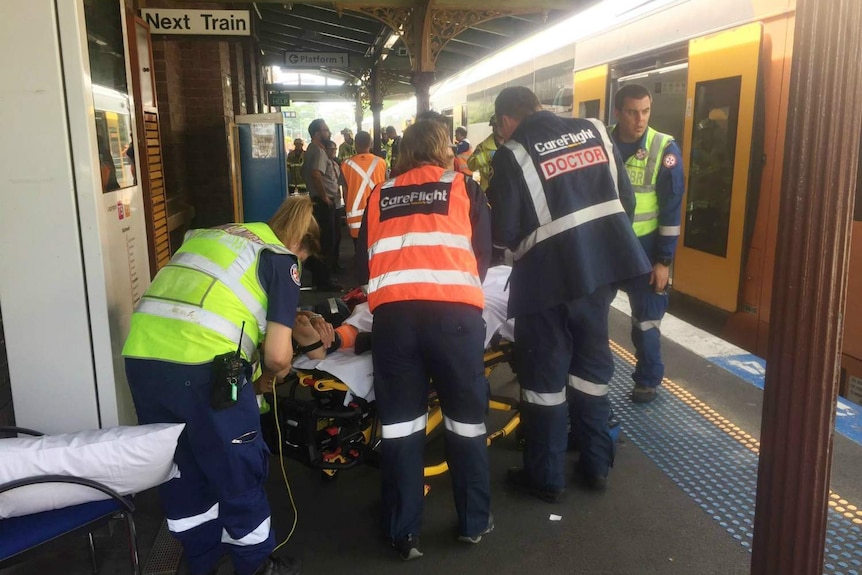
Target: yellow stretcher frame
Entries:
(493, 357)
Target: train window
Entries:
(590, 109)
(553, 87)
(110, 94)
(710, 180)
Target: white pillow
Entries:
(126, 459)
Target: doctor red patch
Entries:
(669, 161)
(294, 273)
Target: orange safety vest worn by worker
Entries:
(420, 240)
(461, 162)
(361, 173)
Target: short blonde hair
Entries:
(424, 143)
(294, 224)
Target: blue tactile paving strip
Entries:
(715, 463)
(848, 415)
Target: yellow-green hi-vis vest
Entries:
(643, 173)
(196, 305)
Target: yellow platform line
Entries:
(836, 502)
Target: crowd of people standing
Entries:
(579, 221)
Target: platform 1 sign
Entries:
(316, 59)
(202, 22)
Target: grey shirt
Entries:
(316, 159)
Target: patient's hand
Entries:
(311, 328)
(324, 329)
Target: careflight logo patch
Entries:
(428, 198)
(294, 273)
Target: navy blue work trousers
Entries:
(564, 364)
(219, 503)
(416, 342)
(648, 309)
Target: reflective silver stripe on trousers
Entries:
(464, 429)
(668, 230)
(568, 222)
(198, 316)
(609, 151)
(442, 277)
(646, 325)
(405, 428)
(229, 277)
(186, 523)
(543, 399)
(413, 239)
(259, 535)
(588, 387)
(534, 183)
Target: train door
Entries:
(591, 93)
(719, 125)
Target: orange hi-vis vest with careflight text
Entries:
(420, 240)
(361, 173)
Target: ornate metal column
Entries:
(359, 113)
(425, 30)
(818, 183)
(376, 96)
(422, 82)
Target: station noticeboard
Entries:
(279, 99)
(316, 59)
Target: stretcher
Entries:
(326, 410)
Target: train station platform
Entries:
(680, 498)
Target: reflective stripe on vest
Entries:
(419, 255)
(643, 174)
(207, 295)
(356, 209)
(548, 227)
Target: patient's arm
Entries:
(306, 333)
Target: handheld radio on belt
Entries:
(227, 376)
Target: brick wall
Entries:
(171, 104)
(201, 83)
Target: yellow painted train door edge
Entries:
(591, 92)
(708, 267)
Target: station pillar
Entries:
(810, 288)
(422, 82)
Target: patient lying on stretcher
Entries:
(340, 350)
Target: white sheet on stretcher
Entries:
(357, 371)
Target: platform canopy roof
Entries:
(401, 37)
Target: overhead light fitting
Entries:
(393, 38)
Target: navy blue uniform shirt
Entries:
(281, 283)
(562, 201)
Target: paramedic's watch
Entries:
(664, 261)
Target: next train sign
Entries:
(209, 22)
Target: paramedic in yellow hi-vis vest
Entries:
(654, 164)
(188, 360)
(359, 175)
(424, 248)
(480, 160)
